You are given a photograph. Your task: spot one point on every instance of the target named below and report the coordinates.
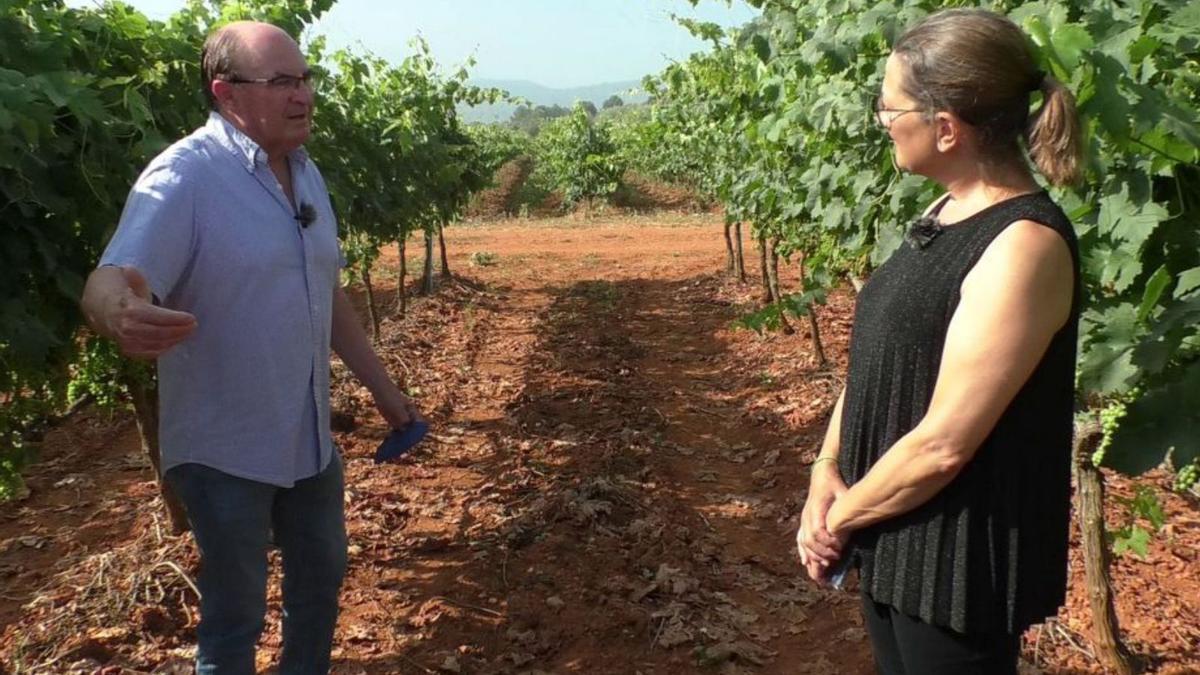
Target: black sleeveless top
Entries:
(989, 552)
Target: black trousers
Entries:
(904, 645)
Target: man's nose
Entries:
(302, 93)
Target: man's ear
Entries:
(949, 131)
(221, 90)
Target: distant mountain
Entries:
(630, 91)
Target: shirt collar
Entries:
(242, 146)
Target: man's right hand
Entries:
(140, 328)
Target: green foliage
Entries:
(88, 96)
(776, 118)
(92, 374)
(579, 157)
(498, 144)
(394, 154)
(530, 119)
(1130, 537)
(613, 101)
(484, 259)
(772, 316)
(650, 147)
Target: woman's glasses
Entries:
(885, 117)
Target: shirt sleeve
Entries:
(157, 231)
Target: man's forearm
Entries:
(350, 341)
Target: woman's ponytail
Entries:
(1053, 135)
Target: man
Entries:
(224, 267)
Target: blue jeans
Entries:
(232, 519)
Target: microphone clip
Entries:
(307, 215)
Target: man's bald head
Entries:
(228, 48)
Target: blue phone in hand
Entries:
(400, 441)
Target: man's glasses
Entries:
(279, 82)
(885, 117)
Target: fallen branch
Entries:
(182, 575)
(464, 605)
(661, 625)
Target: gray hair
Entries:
(217, 57)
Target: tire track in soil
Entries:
(599, 498)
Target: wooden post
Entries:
(1089, 485)
(144, 396)
(372, 313)
(442, 243)
(814, 326)
(768, 295)
(427, 275)
(729, 264)
(401, 290)
(773, 283)
(740, 260)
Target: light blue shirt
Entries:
(211, 229)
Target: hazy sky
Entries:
(557, 43)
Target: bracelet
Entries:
(822, 459)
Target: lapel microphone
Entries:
(306, 216)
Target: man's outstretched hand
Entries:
(119, 305)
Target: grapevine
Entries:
(578, 155)
(775, 121)
(88, 96)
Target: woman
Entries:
(954, 430)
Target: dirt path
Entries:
(616, 505)
(612, 486)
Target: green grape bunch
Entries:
(1188, 477)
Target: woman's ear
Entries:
(948, 130)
